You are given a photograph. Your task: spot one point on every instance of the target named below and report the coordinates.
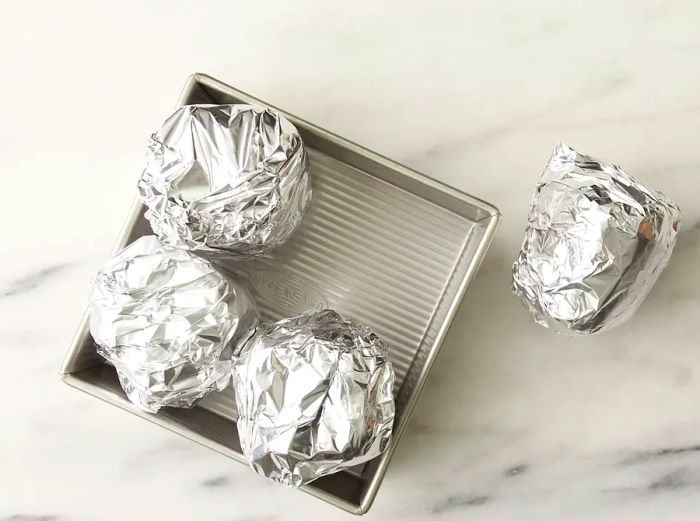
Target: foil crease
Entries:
(230, 181)
(595, 244)
(314, 396)
(168, 321)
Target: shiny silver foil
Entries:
(168, 321)
(314, 396)
(596, 242)
(230, 181)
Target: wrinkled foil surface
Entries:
(231, 181)
(596, 242)
(314, 396)
(168, 321)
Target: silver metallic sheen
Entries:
(230, 181)
(595, 244)
(168, 321)
(314, 396)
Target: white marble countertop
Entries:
(515, 422)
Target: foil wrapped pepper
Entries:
(314, 396)
(168, 321)
(596, 242)
(230, 181)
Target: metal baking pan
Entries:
(380, 243)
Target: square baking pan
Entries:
(379, 243)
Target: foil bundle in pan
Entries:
(225, 180)
(596, 242)
(167, 320)
(314, 396)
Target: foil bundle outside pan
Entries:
(595, 244)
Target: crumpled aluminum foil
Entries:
(167, 320)
(596, 242)
(314, 396)
(230, 181)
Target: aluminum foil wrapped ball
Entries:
(596, 242)
(314, 396)
(230, 181)
(168, 321)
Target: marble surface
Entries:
(515, 422)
